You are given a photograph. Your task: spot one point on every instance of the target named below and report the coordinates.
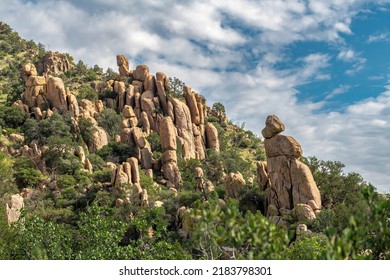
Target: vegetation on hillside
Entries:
(78, 218)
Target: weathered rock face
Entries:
(54, 63)
(212, 137)
(56, 94)
(123, 64)
(168, 143)
(262, 175)
(35, 87)
(233, 184)
(141, 72)
(100, 138)
(12, 211)
(287, 181)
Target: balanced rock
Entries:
(123, 64)
(287, 181)
(273, 126)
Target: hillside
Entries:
(135, 165)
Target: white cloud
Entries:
(381, 37)
(337, 91)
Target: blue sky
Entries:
(322, 66)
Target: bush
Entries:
(66, 181)
(36, 239)
(43, 131)
(110, 121)
(11, 117)
(307, 248)
(117, 152)
(102, 176)
(26, 176)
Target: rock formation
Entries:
(233, 184)
(169, 159)
(123, 64)
(288, 183)
(12, 211)
(54, 63)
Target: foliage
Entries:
(249, 236)
(55, 126)
(117, 152)
(11, 117)
(218, 107)
(175, 87)
(26, 176)
(85, 91)
(7, 184)
(362, 241)
(307, 248)
(102, 176)
(340, 192)
(252, 198)
(86, 129)
(187, 170)
(154, 141)
(110, 121)
(36, 239)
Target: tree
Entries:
(26, 176)
(110, 121)
(176, 87)
(11, 117)
(247, 236)
(219, 107)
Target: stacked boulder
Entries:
(169, 158)
(35, 87)
(125, 180)
(288, 183)
(54, 63)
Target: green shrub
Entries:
(66, 181)
(11, 117)
(110, 121)
(102, 176)
(26, 176)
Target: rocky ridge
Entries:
(146, 107)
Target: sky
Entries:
(321, 66)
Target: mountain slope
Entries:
(131, 165)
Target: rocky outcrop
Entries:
(168, 144)
(123, 64)
(56, 94)
(200, 186)
(100, 138)
(141, 72)
(35, 86)
(234, 182)
(13, 210)
(288, 183)
(212, 137)
(54, 63)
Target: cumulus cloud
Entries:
(232, 52)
